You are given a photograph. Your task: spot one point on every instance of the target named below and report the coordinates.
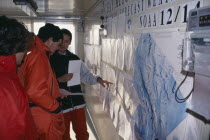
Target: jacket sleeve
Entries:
(86, 76)
(36, 73)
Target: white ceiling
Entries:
(7, 7)
(67, 8)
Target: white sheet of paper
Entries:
(75, 80)
(74, 67)
(120, 54)
(129, 53)
(65, 92)
(121, 25)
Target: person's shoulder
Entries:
(35, 56)
(55, 54)
(34, 52)
(72, 55)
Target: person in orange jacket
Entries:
(41, 85)
(16, 121)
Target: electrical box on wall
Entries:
(196, 50)
(196, 58)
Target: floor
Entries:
(91, 130)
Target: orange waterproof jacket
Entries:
(38, 78)
(16, 121)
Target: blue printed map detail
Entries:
(158, 113)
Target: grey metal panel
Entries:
(7, 7)
(96, 10)
(200, 98)
(64, 7)
(67, 8)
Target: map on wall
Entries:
(158, 113)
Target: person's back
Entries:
(36, 71)
(16, 121)
(41, 84)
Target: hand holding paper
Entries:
(65, 77)
(64, 92)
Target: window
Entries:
(37, 25)
(69, 26)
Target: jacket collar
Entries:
(41, 45)
(66, 53)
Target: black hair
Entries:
(48, 31)
(13, 36)
(67, 32)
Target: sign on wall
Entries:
(147, 17)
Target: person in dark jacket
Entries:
(16, 120)
(73, 105)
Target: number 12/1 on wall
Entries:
(169, 15)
